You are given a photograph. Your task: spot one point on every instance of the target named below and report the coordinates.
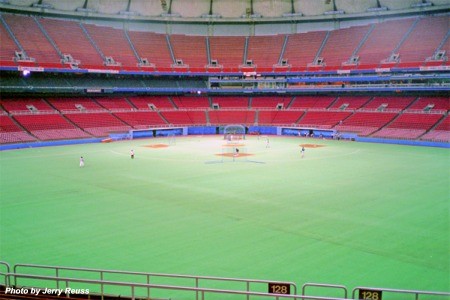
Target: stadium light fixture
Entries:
(211, 16)
(85, 10)
(334, 12)
(291, 15)
(128, 13)
(420, 5)
(377, 9)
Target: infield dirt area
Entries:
(311, 145)
(156, 146)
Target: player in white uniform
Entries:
(81, 162)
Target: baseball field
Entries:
(356, 214)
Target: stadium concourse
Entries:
(202, 143)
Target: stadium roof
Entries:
(218, 11)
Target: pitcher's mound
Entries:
(311, 145)
(157, 146)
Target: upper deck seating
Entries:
(379, 45)
(423, 40)
(153, 47)
(302, 48)
(228, 51)
(265, 51)
(341, 44)
(113, 43)
(191, 49)
(32, 39)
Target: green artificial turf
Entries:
(348, 213)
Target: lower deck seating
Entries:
(246, 117)
(11, 133)
(399, 133)
(191, 102)
(441, 133)
(121, 115)
(145, 102)
(279, 117)
(365, 123)
(409, 126)
(140, 119)
(185, 117)
(75, 104)
(50, 127)
(98, 124)
(229, 102)
(15, 137)
(437, 135)
(25, 105)
(323, 119)
(60, 134)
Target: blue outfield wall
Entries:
(263, 129)
(403, 142)
(47, 144)
(201, 130)
(211, 130)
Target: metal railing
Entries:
(416, 293)
(326, 286)
(65, 277)
(195, 281)
(134, 288)
(8, 270)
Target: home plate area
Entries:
(234, 154)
